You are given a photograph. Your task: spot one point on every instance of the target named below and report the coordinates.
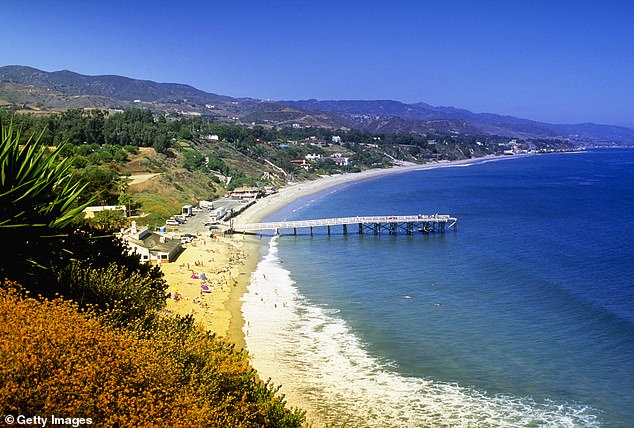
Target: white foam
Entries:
(317, 359)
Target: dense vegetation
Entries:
(81, 321)
(199, 158)
(99, 137)
(100, 143)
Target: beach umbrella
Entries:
(205, 288)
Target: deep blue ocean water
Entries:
(522, 316)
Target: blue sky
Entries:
(555, 61)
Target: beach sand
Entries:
(228, 261)
(224, 265)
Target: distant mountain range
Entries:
(34, 89)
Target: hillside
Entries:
(35, 90)
(424, 118)
(114, 87)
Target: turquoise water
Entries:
(523, 316)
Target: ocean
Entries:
(523, 316)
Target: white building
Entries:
(153, 248)
(89, 212)
(341, 160)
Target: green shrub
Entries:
(121, 295)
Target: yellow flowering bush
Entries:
(58, 359)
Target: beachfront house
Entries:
(154, 248)
(270, 190)
(247, 193)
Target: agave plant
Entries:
(38, 198)
(36, 187)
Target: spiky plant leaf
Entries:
(36, 187)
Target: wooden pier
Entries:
(408, 224)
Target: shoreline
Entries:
(229, 261)
(286, 195)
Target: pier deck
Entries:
(373, 224)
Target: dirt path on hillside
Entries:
(140, 178)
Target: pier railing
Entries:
(408, 223)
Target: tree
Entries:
(192, 159)
(101, 184)
(108, 220)
(161, 144)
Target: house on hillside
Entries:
(302, 163)
(312, 157)
(153, 248)
(278, 144)
(211, 137)
(341, 160)
(318, 143)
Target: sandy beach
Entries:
(225, 263)
(204, 278)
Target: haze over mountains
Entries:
(39, 90)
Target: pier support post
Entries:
(328, 230)
(345, 229)
(360, 228)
